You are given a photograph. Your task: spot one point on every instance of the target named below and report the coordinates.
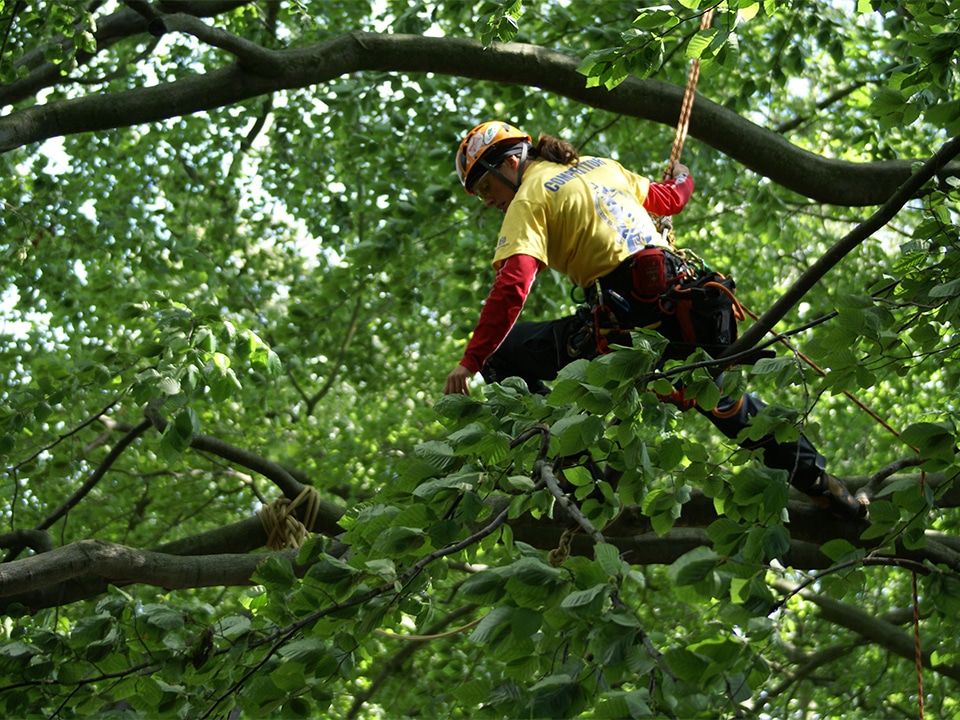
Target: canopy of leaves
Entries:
(237, 266)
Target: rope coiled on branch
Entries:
(280, 523)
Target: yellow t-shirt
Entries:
(582, 220)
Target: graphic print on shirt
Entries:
(625, 215)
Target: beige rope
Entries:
(664, 225)
(559, 554)
(280, 522)
(427, 638)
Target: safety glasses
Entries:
(484, 186)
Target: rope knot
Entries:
(280, 523)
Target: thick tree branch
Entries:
(118, 564)
(631, 532)
(821, 179)
(846, 245)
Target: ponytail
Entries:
(556, 150)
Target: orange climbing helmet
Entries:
(485, 147)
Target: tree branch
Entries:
(119, 564)
(252, 57)
(339, 362)
(328, 514)
(845, 245)
(546, 472)
(96, 475)
(874, 629)
(399, 659)
(17, 540)
(112, 29)
(821, 179)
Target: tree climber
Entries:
(588, 218)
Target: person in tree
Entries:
(589, 218)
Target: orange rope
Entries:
(737, 306)
(687, 107)
(664, 224)
(916, 638)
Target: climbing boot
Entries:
(832, 495)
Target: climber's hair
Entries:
(556, 150)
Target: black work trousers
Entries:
(537, 351)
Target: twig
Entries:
(89, 421)
(97, 474)
(545, 471)
(549, 479)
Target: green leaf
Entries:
(694, 566)
(884, 511)
(685, 664)
(163, 617)
(589, 598)
(492, 624)
(608, 557)
(233, 626)
(577, 475)
(524, 622)
(439, 454)
(486, 586)
(463, 481)
(308, 651)
(149, 692)
(887, 102)
(701, 42)
(398, 540)
(654, 19)
(90, 629)
(934, 440)
(331, 570)
(837, 549)
(14, 656)
(776, 541)
(276, 572)
(577, 433)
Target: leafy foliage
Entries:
(205, 313)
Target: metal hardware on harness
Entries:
(600, 330)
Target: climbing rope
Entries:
(665, 228)
(685, 109)
(280, 522)
(664, 225)
(923, 480)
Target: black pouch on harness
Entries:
(701, 312)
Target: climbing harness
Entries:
(280, 522)
(656, 289)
